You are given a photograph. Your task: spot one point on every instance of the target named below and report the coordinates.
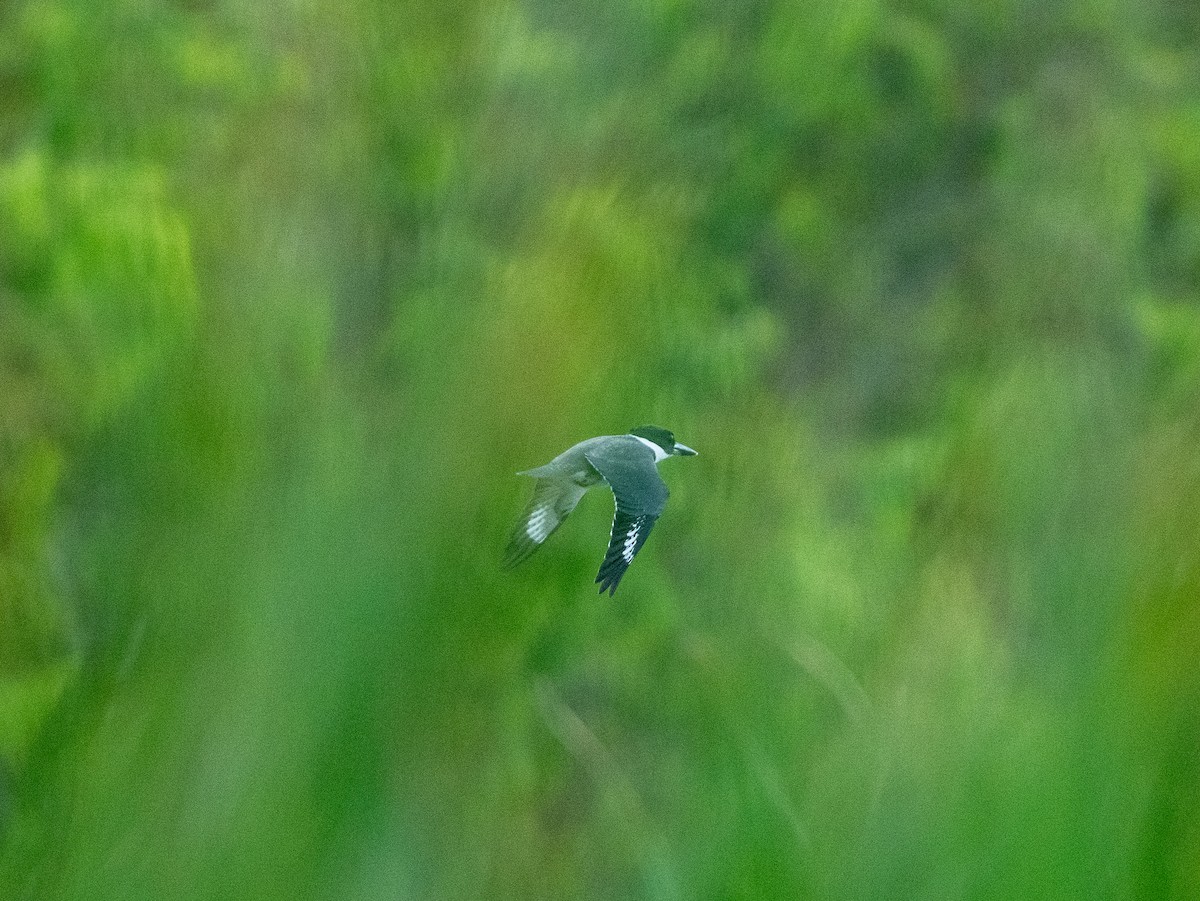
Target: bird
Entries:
(628, 464)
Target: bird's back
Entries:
(572, 463)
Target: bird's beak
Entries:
(682, 450)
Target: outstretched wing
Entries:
(640, 497)
(628, 535)
(553, 501)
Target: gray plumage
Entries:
(628, 464)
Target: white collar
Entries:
(659, 453)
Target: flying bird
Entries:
(628, 464)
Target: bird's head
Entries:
(664, 439)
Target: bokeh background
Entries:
(290, 290)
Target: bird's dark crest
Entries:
(661, 437)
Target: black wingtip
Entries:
(517, 553)
(608, 582)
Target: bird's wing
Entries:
(640, 496)
(553, 500)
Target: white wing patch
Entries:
(553, 500)
(630, 546)
(541, 523)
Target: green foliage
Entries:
(289, 292)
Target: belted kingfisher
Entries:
(629, 465)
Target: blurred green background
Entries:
(289, 291)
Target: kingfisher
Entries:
(628, 464)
